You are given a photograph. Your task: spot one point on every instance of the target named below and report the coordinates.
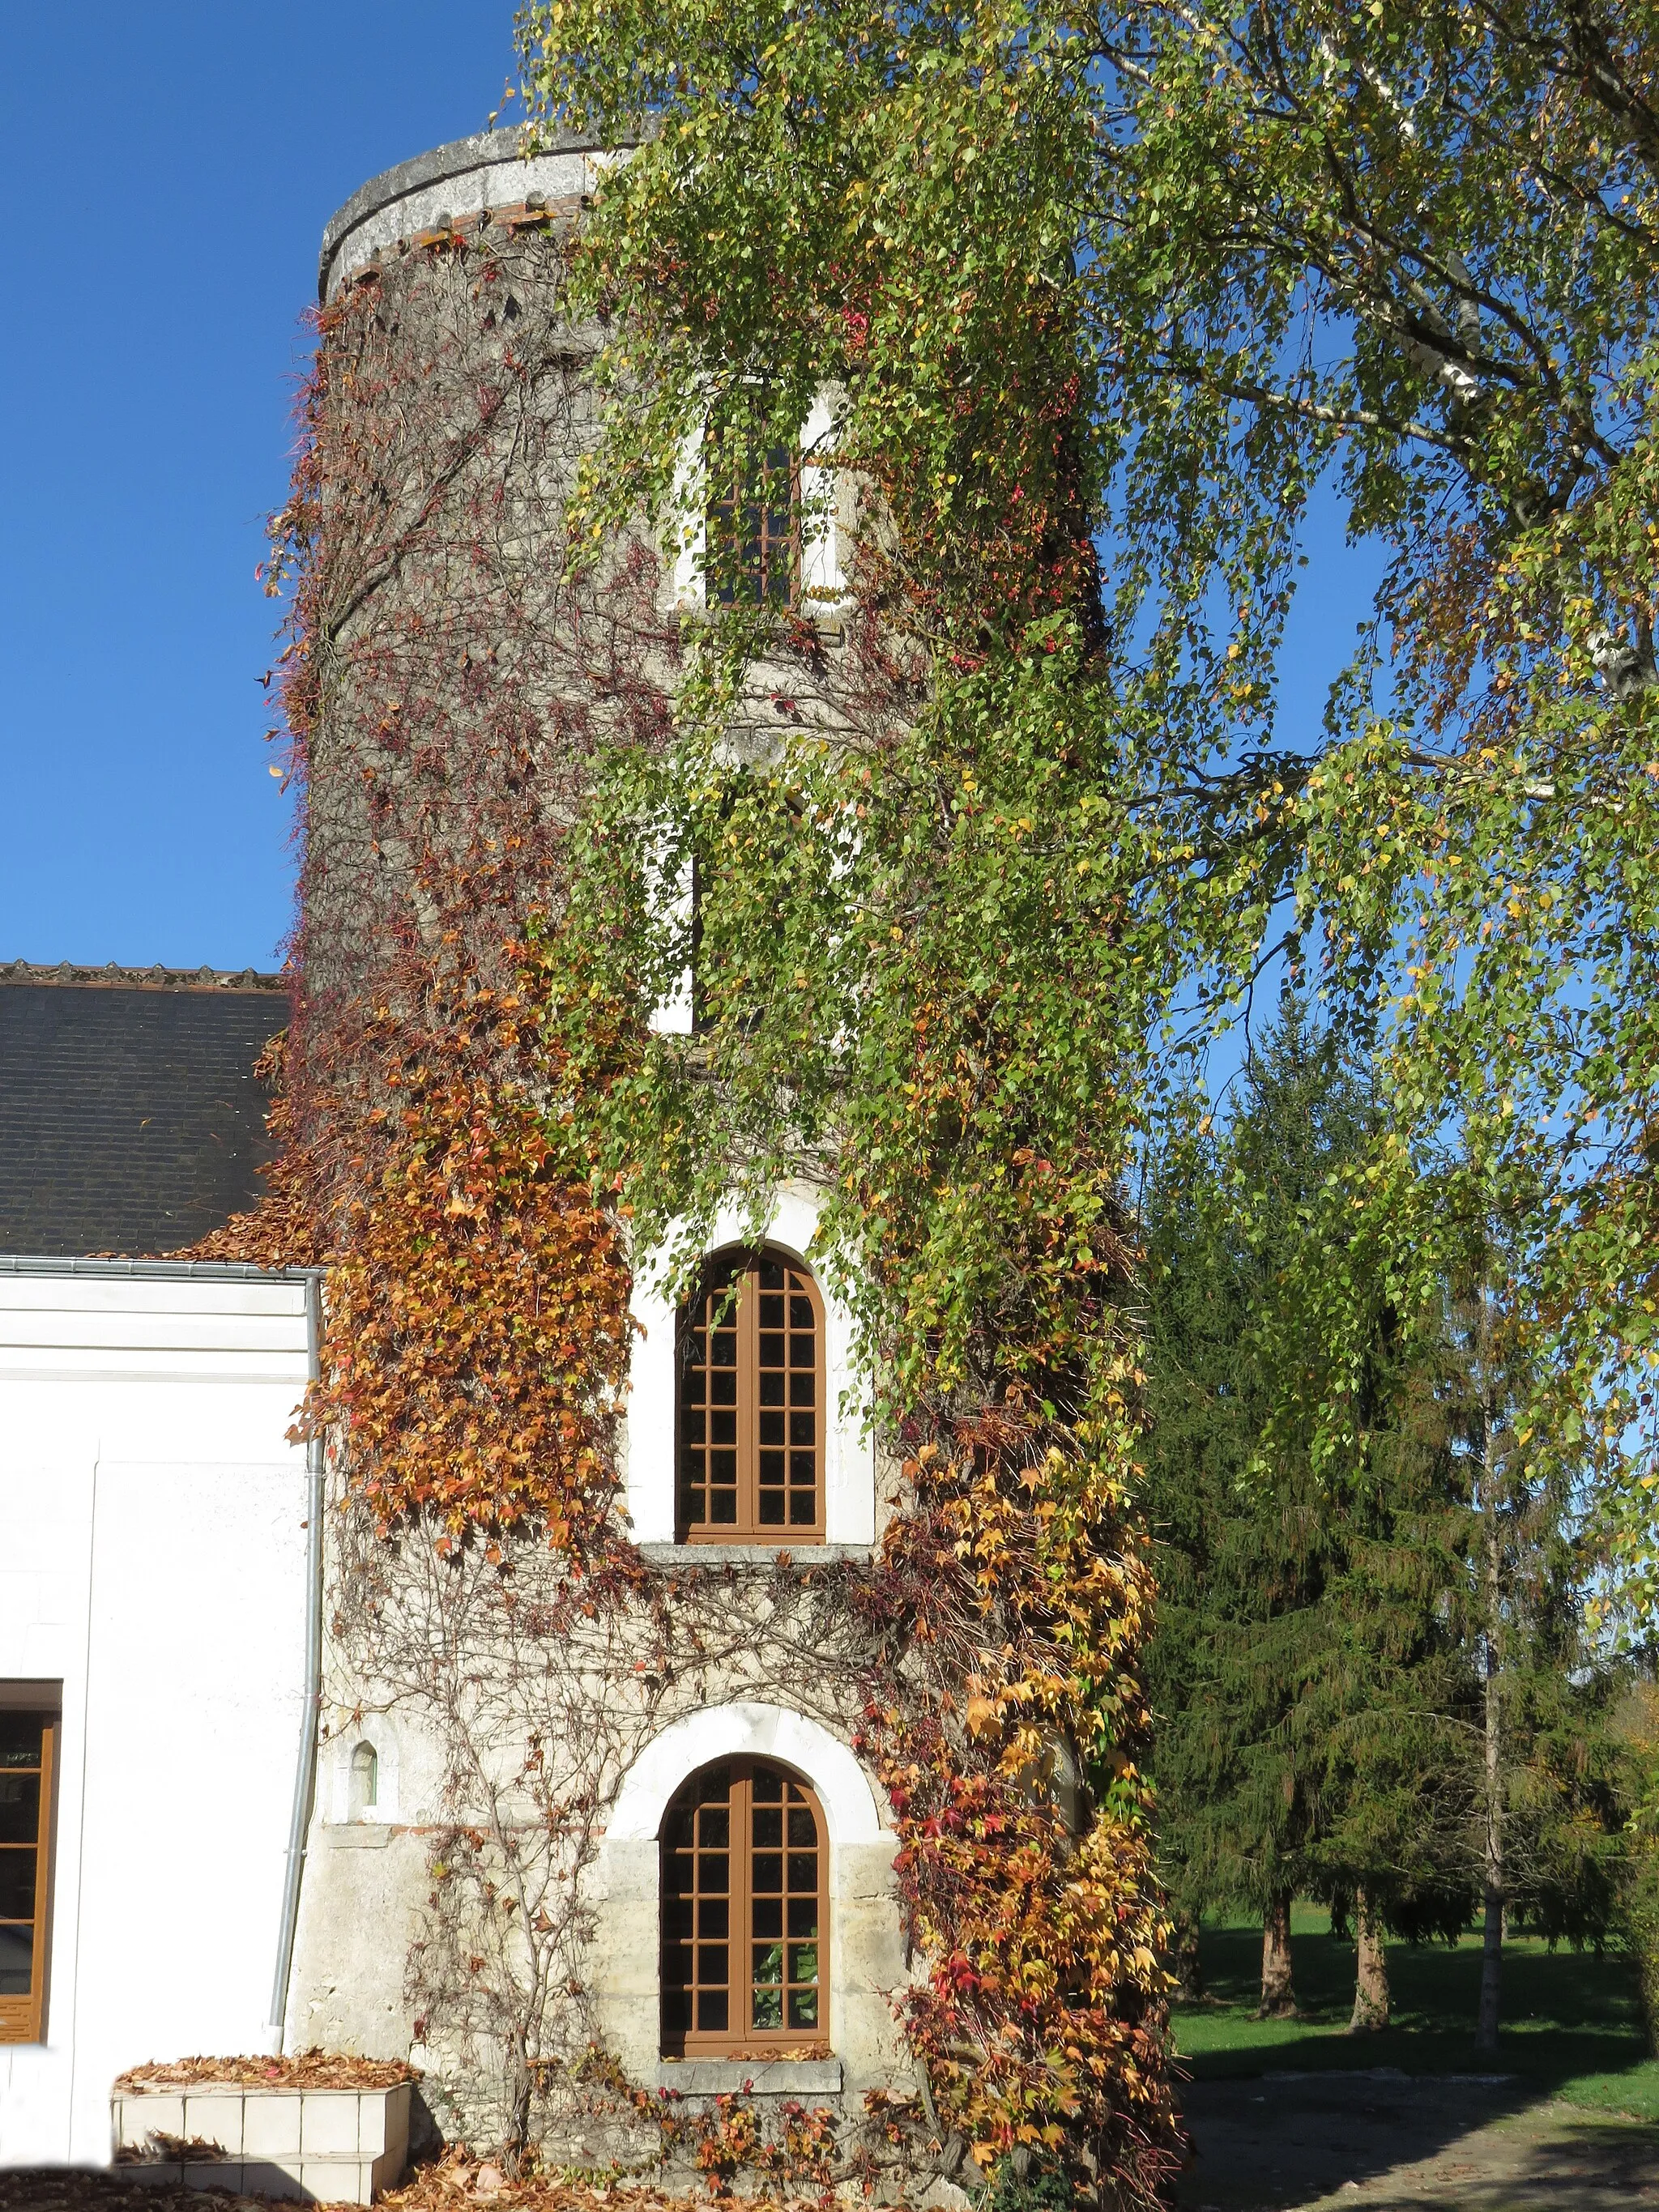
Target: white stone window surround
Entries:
(746, 1730)
(849, 1458)
(824, 523)
(866, 1956)
(373, 1729)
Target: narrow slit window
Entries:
(751, 1410)
(744, 1916)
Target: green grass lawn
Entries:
(1572, 2022)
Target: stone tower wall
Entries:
(462, 687)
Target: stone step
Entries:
(319, 2146)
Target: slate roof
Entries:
(131, 1118)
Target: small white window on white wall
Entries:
(839, 1502)
(363, 1773)
(364, 1782)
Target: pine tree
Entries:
(1304, 1676)
(1371, 1674)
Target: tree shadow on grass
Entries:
(1399, 2143)
(1567, 2014)
(1286, 2113)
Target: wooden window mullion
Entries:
(742, 1803)
(22, 2013)
(749, 1406)
(43, 1877)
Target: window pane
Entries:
(712, 2011)
(803, 2007)
(768, 1828)
(768, 1916)
(17, 1884)
(768, 1963)
(20, 1808)
(16, 1961)
(20, 1739)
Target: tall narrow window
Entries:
(751, 1411)
(753, 528)
(744, 1915)
(28, 1743)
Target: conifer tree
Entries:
(1371, 1677)
(1307, 1687)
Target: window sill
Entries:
(773, 2078)
(761, 1559)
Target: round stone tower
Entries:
(490, 1901)
(457, 680)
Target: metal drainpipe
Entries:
(305, 1776)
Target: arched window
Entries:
(365, 1782)
(744, 1915)
(750, 1410)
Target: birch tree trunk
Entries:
(1492, 1959)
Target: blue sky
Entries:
(167, 171)
(166, 175)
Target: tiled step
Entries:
(320, 2146)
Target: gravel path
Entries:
(1390, 2143)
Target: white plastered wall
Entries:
(865, 1954)
(849, 1471)
(154, 1562)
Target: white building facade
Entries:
(155, 1616)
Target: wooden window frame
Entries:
(743, 2038)
(23, 2018)
(729, 579)
(753, 1442)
